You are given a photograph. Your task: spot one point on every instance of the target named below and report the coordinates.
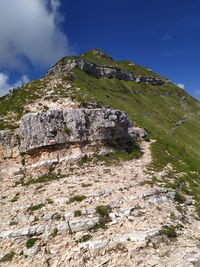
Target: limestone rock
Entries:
(9, 144)
(58, 127)
(63, 67)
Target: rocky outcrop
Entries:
(64, 66)
(9, 144)
(83, 126)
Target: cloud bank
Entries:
(29, 31)
(181, 85)
(5, 85)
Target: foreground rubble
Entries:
(98, 215)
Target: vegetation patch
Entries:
(8, 257)
(77, 198)
(77, 213)
(31, 242)
(84, 238)
(168, 231)
(35, 207)
(179, 198)
(44, 179)
(67, 130)
(103, 212)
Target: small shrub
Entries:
(13, 223)
(31, 242)
(35, 207)
(44, 179)
(172, 214)
(77, 213)
(54, 232)
(8, 257)
(77, 198)
(67, 130)
(103, 212)
(84, 238)
(179, 198)
(168, 231)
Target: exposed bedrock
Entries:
(73, 126)
(65, 65)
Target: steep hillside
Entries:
(169, 114)
(83, 186)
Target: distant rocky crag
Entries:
(65, 65)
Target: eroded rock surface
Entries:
(57, 127)
(64, 66)
(9, 144)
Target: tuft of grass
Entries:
(67, 130)
(77, 213)
(54, 233)
(77, 198)
(103, 212)
(31, 242)
(179, 198)
(168, 231)
(8, 257)
(44, 179)
(35, 207)
(84, 238)
(12, 223)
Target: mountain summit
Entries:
(99, 165)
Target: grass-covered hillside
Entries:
(170, 115)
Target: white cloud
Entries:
(29, 30)
(197, 93)
(181, 85)
(5, 85)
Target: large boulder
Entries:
(56, 127)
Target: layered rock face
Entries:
(81, 126)
(65, 65)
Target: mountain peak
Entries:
(97, 52)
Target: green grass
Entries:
(77, 198)
(85, 238)
(168, 231)
(77, 213)
(35, 207)
(8, 257)
(103, 213)
(31, 242)
(44, 179)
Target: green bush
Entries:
(31, 242)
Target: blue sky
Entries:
(163, 35)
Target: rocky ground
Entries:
(99, 215)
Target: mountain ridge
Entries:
(101, 198)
